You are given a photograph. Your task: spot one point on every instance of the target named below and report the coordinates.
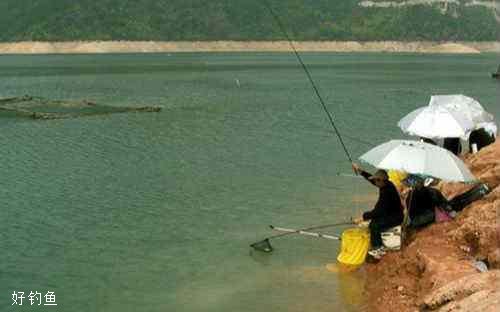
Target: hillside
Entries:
(188, 20)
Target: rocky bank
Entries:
(435, 271)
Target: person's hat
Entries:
(379, 174)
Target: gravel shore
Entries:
(244, 46)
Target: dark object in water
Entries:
(42, 108)
(497, 74)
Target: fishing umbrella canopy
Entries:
(464, 105)
(446, 116)
(418, 158)
(436, 122)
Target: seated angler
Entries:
(388, 211)
(422, 202)
(480, 138)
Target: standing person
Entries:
(388, 211)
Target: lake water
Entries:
(156, 211)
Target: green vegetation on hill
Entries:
(68, 20)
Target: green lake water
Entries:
(155, 211)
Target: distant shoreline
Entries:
(98, 47)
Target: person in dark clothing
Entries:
(421, 203)
(388, 211)
(453, 145)
(481, 138)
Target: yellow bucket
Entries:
(354, 247)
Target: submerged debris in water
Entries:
(42, 108)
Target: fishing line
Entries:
(283, 30)
(359, 140)
(265, 245)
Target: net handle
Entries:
(307, 233)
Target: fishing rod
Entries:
(348, 175)
(283, 30)
(265, 245)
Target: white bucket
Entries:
(391, 238)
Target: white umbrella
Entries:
(436, 122)
(464, 105)
(418, 158)
(446, 116)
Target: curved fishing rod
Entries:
(283, 30)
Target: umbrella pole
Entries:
(406, 217)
